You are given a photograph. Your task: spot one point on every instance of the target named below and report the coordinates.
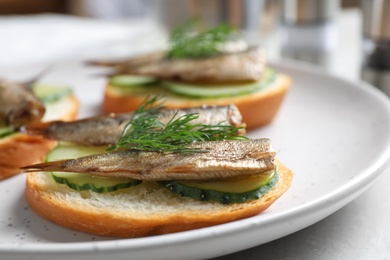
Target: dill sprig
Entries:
(145, 132)
(185, 42)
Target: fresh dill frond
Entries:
(186, 42)
(145, 132)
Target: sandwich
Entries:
(214, 67)
(163, 174)
(20, 105)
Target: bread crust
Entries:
(257, 108)
(19, 149)
(73, 110)
(100, 221)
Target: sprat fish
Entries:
(246, 65)
(18, 105)
(121, 66)
(220, 159)
(106, 130)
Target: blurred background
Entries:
(349, 38)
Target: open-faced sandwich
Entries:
(210, 67)
(164, 171)
(21, 104)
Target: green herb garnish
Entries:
(185, 42)
(146, 133)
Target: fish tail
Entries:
(36, 129)
(45, 167)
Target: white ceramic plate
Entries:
(332, 133)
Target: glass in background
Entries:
(165, 15)
(376, 43)
(310, 30)
(243, 14)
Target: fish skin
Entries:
(223, 160)
(122, 65)
(106, 130)
(237, 67)
(18, 105)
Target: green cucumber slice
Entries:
(81, 182)
(78, 181)
(225, 192)
(5, 130)
(68, 150)
(51, 93)
(129, 81)
(223, 90)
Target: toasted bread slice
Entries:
(257, 109)
(144, 210)
(18, 149)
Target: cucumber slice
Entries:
(51, 93)
(5, 131)
(81, 182)
(223, 90)
(225, 192)
(68, 150)
(78, 181)
(238, 185)
(129, 81)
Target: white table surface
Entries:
(360, 230)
